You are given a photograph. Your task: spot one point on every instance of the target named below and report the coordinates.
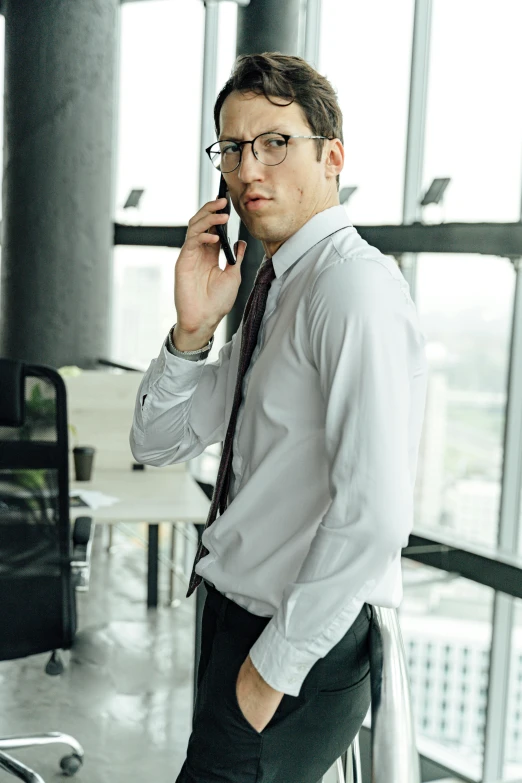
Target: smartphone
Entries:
(222, 229)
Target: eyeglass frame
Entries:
(286, 137)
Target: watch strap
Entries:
(193, 356)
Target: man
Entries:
(325, 444)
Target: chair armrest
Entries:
(83, 533)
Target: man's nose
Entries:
(250, 167)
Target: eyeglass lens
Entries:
(269, 148)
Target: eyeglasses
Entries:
(269, 148)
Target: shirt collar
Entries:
(314, 230)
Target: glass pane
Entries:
(2, 47)
(446, 624)
(474, 127)
(2, 50)
(159, 110)
(365, 52)
(520, 515)
(465, 308)
(227, 32)
(143, 304)
(513, 758)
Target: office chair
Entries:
(41, 566)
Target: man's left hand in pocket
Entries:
(257, 699)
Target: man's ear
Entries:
(334, 161)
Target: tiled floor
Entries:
(126, 694)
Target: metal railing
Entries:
(394, 756)
(394, 749)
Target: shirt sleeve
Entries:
(180, 407)
(364, 338)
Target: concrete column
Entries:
(57, 227)
(262, 26)
(268, 26)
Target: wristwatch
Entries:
(192, 356)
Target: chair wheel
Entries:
(54, 664)
(71, 764)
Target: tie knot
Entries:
(266, 272)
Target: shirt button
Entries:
(302, 666)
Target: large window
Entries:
(513, 759)
(446, 628)
(474, 119)
(465, 306)
(143, 306)
(161, 60)
(520, 515)
(365, 52)
(160, 93)
(2, 50)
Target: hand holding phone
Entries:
(222, 229)
(203, 292)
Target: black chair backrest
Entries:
(37, 601)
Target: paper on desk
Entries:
(93, 498)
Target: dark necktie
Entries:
(252, 317)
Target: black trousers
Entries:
(307, 732)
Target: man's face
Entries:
(296, 189)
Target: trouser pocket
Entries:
(222, 746)
(348, 662)
(233, 661)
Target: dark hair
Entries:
(285, 76)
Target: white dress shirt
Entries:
(325, 447)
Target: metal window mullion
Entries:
(416, 129)
(208, 96)
(508, 534)
(116, 109)
(312, 32)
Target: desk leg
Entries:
(201, 594)
(173, 531)
(152, 566)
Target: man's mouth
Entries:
(256, 203)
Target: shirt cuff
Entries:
(174, 367)
(192, 356)
(280, 664)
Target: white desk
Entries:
(152, 495)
